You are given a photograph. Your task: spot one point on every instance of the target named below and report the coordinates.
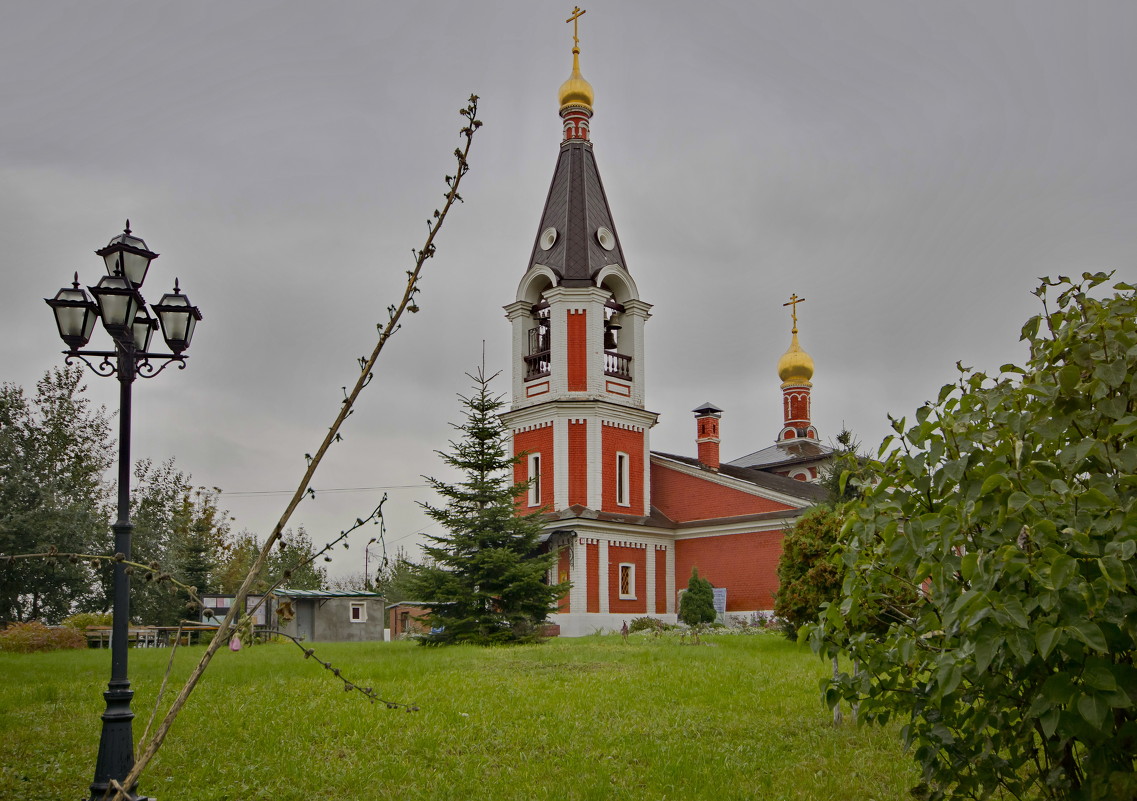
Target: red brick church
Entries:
(629, 522)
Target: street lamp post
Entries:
(120, 305)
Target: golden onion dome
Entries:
(795, 366)
(576, 91)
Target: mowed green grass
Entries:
(592, 718)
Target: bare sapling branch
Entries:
(348, 684)
(386, 330)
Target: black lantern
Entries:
(128, 255)
(118, 304)
(143, 329)
(178, 319)
(75, 314)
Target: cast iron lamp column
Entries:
(123, 312)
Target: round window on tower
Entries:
(548, 237)
(605, 238)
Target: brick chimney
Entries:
(707, 434)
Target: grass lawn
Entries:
(592, 718)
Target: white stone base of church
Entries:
(581, 625)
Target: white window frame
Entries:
(623, 479)
(534, 479)
(362, 607)
(630, 595)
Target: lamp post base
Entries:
(116, 745)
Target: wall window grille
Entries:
(535, 479)
(623, 479)
(627, 581)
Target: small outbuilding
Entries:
(215, 606)
(331, 615)
(407, 618)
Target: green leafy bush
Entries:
(84, 620)
(645, 623)
(1004, 529)
(25, 638)
(810, 571)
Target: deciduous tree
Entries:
(810, 569)
(54, 448)
(1004, 531)
(179, 530)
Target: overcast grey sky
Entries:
(910, 169)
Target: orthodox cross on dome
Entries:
(794, 301)
(577, 13)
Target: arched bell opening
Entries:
(618, 341)
(532, 322)
(538, 341)
(535, 284)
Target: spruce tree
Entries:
(697, 606)
(486, 578)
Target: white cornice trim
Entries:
(617, 533)
(752, 527)
(611, 413)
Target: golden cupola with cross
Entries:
(795, 368)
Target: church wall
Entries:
(536, 440)
(682, 498)
(578, 463)
(618, 554)
(622, 440)
(576, 341)
(746, 564)
(592, 577)
(563, 566)
(660, 586)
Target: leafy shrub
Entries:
(651, 624)
(25, 638)
(84, 620)
(810, 571)
(1007, 516)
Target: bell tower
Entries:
(577, 409)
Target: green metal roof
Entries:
(326, 594)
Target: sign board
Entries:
(720, 600)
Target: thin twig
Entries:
(385, 332)
(165, 681)
(348, 684)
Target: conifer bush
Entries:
(486, 578)
(697, 606)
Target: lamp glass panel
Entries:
(134, 267)
(175, 323)
(118, 306)
(191, 323)
(112, 262)
(117, 309)
(143, 330)
(73, 320)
